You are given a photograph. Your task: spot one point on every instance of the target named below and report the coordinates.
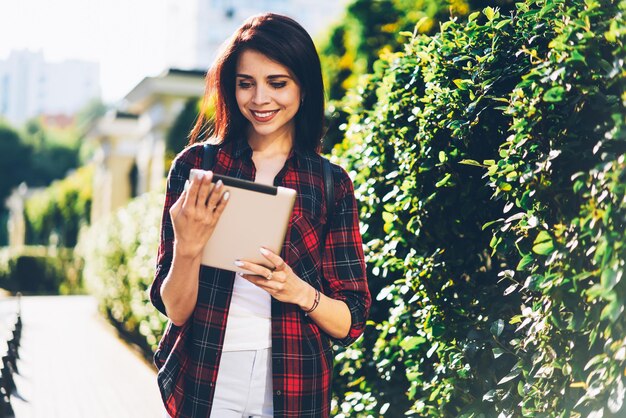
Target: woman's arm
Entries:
(193, 216)
(331, 315)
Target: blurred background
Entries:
(486, 140)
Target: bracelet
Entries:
(315, 303)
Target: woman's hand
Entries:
(196, 212)
(281, 282)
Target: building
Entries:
(130, 156)
(195, 29)
(31, 86)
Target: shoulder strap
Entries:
(329, 191)
(208, 158)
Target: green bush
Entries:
(488, 160)
(40, 270)
(60, 210)
(119, 253)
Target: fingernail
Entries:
(219, 184)
(208, 175)
(226, 196)
(238, 263)
(264, 251)
(187, 184)
(199, 175)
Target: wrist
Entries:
(312, 305)
(182, 254)
(308, 296)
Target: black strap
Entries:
(208, 159)
(329, 189)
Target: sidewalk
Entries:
(73, 365)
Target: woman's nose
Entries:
(261, 95)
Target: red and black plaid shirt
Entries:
(302, 356)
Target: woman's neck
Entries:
(269, 146)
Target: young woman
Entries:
(259, 345)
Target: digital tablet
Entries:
(256, 215)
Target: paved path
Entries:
(73, 365)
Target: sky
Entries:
(121, 35)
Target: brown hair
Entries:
(283, 40)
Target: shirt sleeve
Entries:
(343, 261)
(179, 173)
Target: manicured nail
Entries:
(199, 175)
(226, 196)
(238, 263)
(187, 184)
(264, 251)
(219, 184)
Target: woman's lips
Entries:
(264, 116)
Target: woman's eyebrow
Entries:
(270, 77)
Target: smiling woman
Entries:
(260, 344)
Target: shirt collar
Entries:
(241, 148)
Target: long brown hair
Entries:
(283, 40)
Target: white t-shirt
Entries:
(249, 324)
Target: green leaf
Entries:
(610, 278)
(497, 327)
(444, 180)
(555, 94)
(442, 156)
(410, 343)
(514, 373)
(503, 23)
(525, 261)
(612, 311)
(543, 244)
(472, 162)
(489, 12)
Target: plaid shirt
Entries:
(302, 357)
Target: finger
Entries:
(216, 195)
(192, 192)
(205, 189)
(178, 205)
(278, 262)
(261, 282)
(254, 268)
(222, 204)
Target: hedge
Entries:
(120, 257)
(40, 270)
(58, 212)
(489, 164)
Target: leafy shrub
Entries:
(60, 210)
(119, 253)
(489, 164)
(40, 270)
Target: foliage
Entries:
(55, 215)
(13, 154)
(119, 253)
(53, 153)
(370, 29)
(488, 160)
(40, 270)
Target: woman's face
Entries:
(267, 94)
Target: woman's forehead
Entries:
(254, 63)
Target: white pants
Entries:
(244, 385)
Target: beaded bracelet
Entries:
(315, 303)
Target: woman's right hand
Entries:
(196, 212)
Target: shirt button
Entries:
(279, 392)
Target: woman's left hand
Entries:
(282, 283)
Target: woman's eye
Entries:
(244, 85)
(278, 85)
